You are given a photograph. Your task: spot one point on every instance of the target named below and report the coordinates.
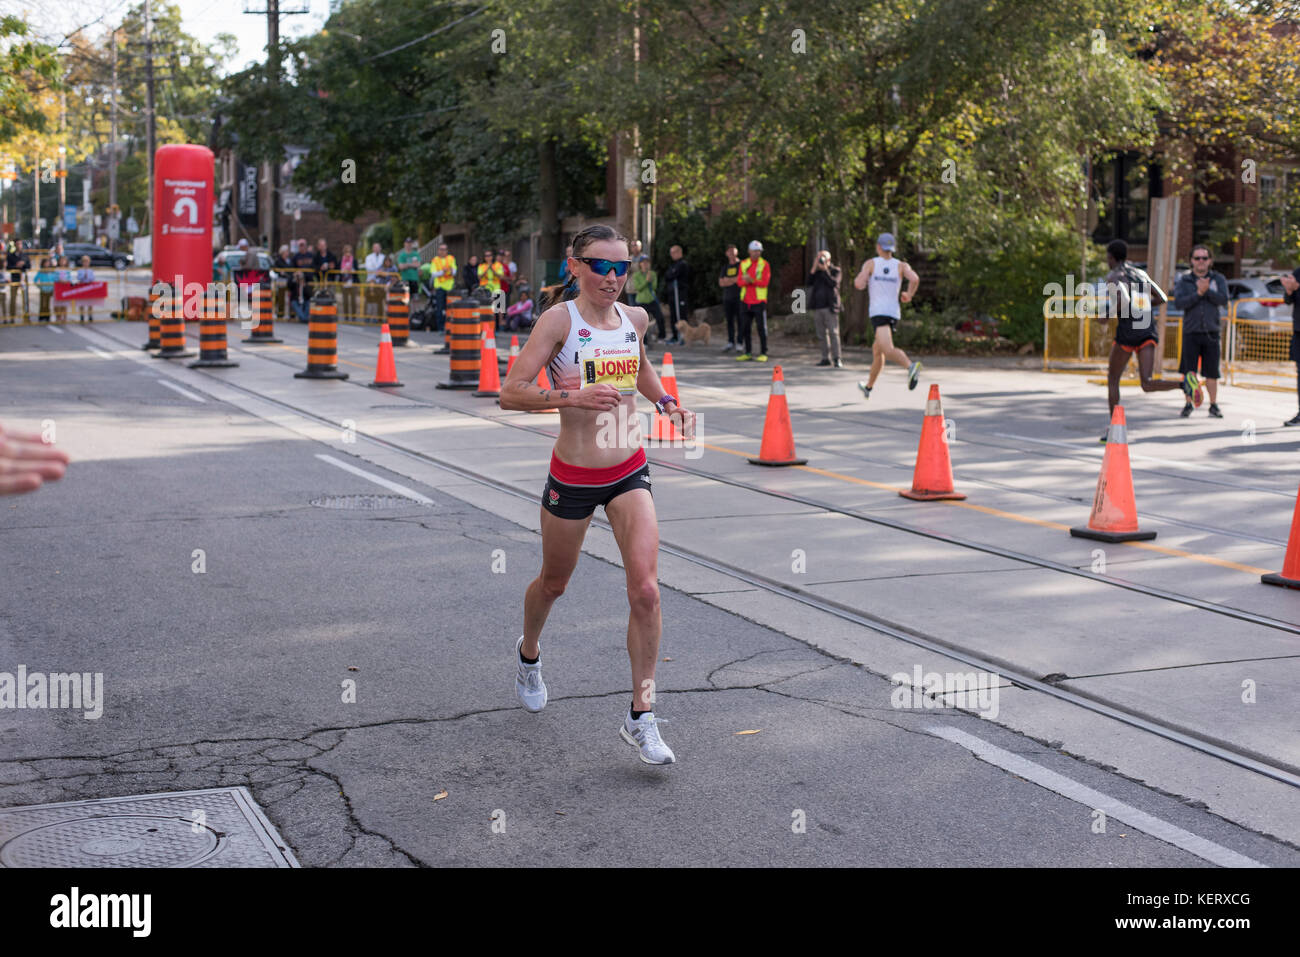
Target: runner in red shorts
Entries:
(594, 351)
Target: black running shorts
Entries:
(878, 321)
(1202, 346)
(580, 501)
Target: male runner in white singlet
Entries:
(882, 278)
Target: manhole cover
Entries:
(219, 827)
(364, 502)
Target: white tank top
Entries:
(883, 288)
(591, 355)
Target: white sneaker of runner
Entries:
(643, 734)
(528, 681)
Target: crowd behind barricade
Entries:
(26, 267)
(364, 284)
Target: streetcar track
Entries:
(1221, 749)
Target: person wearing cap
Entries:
(1291, 288)
(408, 262)
(882, 278)
(753, 278)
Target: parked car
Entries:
(1268, 336)
(99, 256)
(232, 257)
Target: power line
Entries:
(431, 33)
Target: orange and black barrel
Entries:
(212, 330)
(322, 339)
(465, 341)
(172, 329)
(155, 324)
(263, 312)
(398, 310)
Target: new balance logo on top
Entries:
(630, 337)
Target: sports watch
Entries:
(664, 400)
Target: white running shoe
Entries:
(528, 681)
(643, 734)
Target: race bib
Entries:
(618, 366)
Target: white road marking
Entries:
(55, 329)
(185, 392)
(1073, 790)
(99, 352)
(378, 480)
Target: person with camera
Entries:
(825, 304)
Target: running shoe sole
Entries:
(627, 736)
(913, 375)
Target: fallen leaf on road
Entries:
(440, 795)
(755, 731)
(668, 659)
(352, 668)
(559, 812)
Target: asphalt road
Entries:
(235, 674)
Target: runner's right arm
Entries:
(864, 274)
(520, 393)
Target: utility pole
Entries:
(151, 136)
(112, 120)
(63, 162)
(271, 172)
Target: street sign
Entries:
(70, 219)
(132, 226)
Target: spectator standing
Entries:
(408, 262)
(348, 285)
(1200, 294)
(643, 285)
(45, 279)
(282, 263)
(443, 272)
(511, 268)
(63, 273)
(304, 265)
(677, 286)
(730, 295)
(85, 275)
(825, 303)
(469, 275)
(374, 285)
(17, 263)
(1291, 284)
(754, 277)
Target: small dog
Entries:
(699, 333)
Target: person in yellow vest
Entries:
(490, 273)
(443, 270)
(755, 275)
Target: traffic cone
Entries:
(778, 438)
(1114, 509)
(514, 354)
(1290, 576)
(543, 382)
(489, 376)
(386, 366)
(662, 427)
(932, 477)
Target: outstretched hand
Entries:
(26, 461)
